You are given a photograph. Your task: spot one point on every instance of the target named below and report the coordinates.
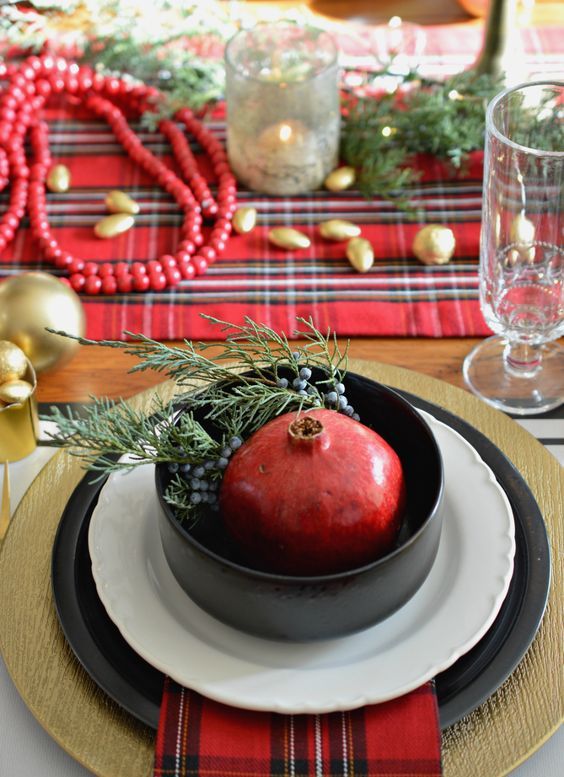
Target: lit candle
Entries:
(283, 116)
(285, 158)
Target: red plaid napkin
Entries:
(198, 737)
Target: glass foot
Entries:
(515, 385)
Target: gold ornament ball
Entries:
(13, 362)
(33, 301)
(434, 244)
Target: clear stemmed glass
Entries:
(521, 368)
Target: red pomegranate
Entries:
(312, 494)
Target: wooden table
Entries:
(103, 371)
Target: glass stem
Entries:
(522, 360)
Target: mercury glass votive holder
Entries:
(283, 115)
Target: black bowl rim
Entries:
(270, 577)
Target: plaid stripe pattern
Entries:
(398, 297)
(198, 737)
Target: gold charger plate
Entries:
(95, 731)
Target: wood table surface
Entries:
(101, 371)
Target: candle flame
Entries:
(285, 132)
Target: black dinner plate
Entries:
(137, 686)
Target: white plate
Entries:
(447, 616)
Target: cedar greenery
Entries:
(236, 387)
(443, 118)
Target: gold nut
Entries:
(244, 220)
(120, 202)
(58, 179)
(522, 230)
(511, 259)
(360, 254)
(110, 226)
(15, 391)
(13, 361)
(340, 179)
(286, 237)
(338, 229)
(434, 244)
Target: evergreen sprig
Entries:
(381, 134)
(265, 376)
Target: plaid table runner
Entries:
(398, 297)
(201, 738)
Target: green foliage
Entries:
(446, 119)
(174, 45)
(237, 387)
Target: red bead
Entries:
(77, 281)
(187, 246)
(43, 87)
(52, 253)
(198, 239)
(106, 270)
(209, 209)
(173, 276)
(57, 83)
(92, 284)
(167, 261)
(191, 230)
(121, 268)
(125, 283)
(77, 265)
(141, 282)
(200, 264)
(12, 221)
(90, 269)
(220, 234)
(109, 284)
(154, 266)
(138, 269)
(219, 245)
(157, 281)
(66, 282)
(208, 253)
(63, 261)
(187, 270)
(112, 85)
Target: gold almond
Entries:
(340, 179)
(244, 220)
(286, 237)
(338, 229)
(58, 179)
(15, 391)
(120, 202)
(360, 254)
(110, 226)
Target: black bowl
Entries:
(208, 566)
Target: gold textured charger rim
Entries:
(490, 742)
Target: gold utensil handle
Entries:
(5, 508)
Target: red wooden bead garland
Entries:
(30, 85)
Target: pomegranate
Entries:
(312, 494)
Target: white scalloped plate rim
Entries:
(451, 612)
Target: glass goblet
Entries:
(521, 368)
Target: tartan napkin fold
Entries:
(198, 737)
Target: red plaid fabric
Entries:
(201, 738)
(398, 297)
